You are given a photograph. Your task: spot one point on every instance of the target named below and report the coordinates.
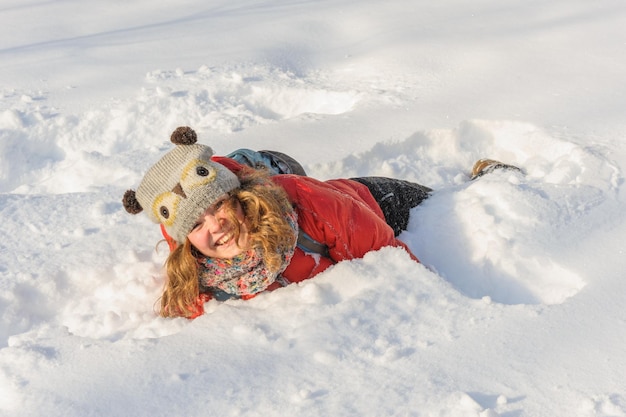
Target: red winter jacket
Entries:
(341, 214)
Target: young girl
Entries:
(235, 231)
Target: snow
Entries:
(517, 306)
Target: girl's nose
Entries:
(213, 223)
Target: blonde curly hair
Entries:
(265, 206)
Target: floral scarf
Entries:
(244, 275)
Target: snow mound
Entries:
(497, 237)
(45, 151)
(443, 157)
(231, 100)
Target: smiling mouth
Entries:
(224, 239)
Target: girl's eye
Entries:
(195, 226)
(218, 205)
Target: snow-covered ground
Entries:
(518, 306)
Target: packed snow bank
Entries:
(382, 325)
(351, 320)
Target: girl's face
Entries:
(214, 235)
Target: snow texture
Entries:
(517, 308)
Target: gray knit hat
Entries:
(181, 185)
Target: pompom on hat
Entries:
(181, 185)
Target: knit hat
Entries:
(181, 185)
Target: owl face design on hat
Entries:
(179, 187)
